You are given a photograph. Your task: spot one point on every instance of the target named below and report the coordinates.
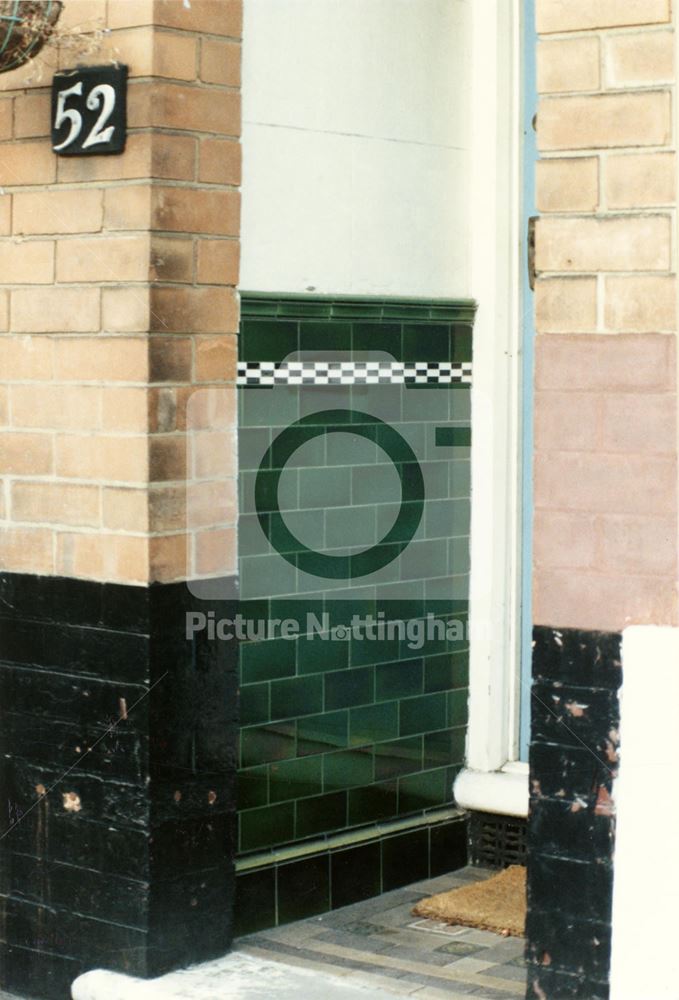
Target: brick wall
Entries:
(117, 298)
(605, 464)
(605, 552)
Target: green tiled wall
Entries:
(339, 734)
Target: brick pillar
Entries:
(605, 458)
(117, 302)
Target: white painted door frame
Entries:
(494, 781)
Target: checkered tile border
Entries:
(354, 372)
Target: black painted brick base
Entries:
(126, 861)
(573, 760)
(294, 890)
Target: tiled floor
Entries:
(380, 943)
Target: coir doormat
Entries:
(496, 904)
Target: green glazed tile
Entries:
(423, 714)
(400, 679)
(307, 528)
(252, 788)
(375, 485)
(379, 337)
(316, 654)
(426, 403)
(295, 779)
(268, 340)
(426, 342)
(398, 757)
(365, 650)
(348, 688)
(269, 407)
(373, 723)
(267, 576)
(296, 696)
(318, 733)
(268, 660)
(423, 790)
(458, 707)
(458, 556)
(263, 744)
(321, 814)
(266, 827)
(372, 804)
(309, 452)
(444, 748)
(347, 769)
(410, 525)
(435, 475)
(462, 344)
(351, 449)
(453, 437)
(424, 559)
(324, 488)
(346, 526)
(253, 445)
(254, 704)
(329, 336)
(447, 518)
(251, 539)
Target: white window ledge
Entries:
(504, 792)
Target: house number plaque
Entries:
(89, 111)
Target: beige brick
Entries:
(641, 304)
(567, 185)
(125, 509)
(641, 180)
(215, 213)
(167, 458)
(61, 212)
(639, 545)
(169, 557)
(220, 161)
(214, 454)
(579, 15)
(216, 359)
(54, 310)
(605, 483)
(171, 259)
(173, 157)
(30, 76)
(27, 263)
(568, 65)
(4, 407)
(629, 243)
(56, 503)
(25, 454)
(212, 409)
(161, 104)
(127, 208)
(605, 602)
(26, 550)
(220, 62)
(83, 15)
(218, 262)
(193, 310)
(640, 422)
(56, 407)
(114, 558)
(162, 409)
(32, 115)
(167, 508)
(175, 56)
(212, 17)
(125, 310)
(564, 540)
(566, 305)
(641, 119)
(6, 119)
(120, 458)
(27, 163)
(170, 359)
(124, 410)
(211, 503)
(102, 359)
(4, 311)
(567, 421)
(640, 59)
(5, 214)
(215, 552)
(624, 363)
(130, 13)
(25, 358)
(104, 259)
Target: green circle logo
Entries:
(397, 538)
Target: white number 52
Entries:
(102, 96)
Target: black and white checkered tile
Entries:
(354, 372)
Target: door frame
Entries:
(494, 779)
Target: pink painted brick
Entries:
(623, 363)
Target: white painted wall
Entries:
(356, 147)
(645, 957)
